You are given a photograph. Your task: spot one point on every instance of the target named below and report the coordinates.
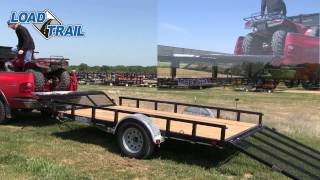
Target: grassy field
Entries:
(34, 148)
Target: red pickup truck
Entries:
(16, 92)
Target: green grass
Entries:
(34, 148)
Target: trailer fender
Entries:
(146, 121)
(6, 103)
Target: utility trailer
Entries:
(139, 130)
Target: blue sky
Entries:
(118, 32)
(212, 24)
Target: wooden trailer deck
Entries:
(233, 127)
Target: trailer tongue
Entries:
(139, 129)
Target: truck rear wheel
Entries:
(3, 118)
(134, 140)
(39, 80)
(252, 45)
(64, 81)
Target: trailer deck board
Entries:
(233, 127)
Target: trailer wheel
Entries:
(134, 140)
(3, 118)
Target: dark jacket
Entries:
(25, 41)
(273, 6)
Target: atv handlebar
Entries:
(270, 16)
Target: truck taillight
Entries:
(27, 87)
(291, 47)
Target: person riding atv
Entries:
(50, 73)
(273, 6)
(25, 45)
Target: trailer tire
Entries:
(3, 118)
(135, 140)
(252, 45)
(39, 80)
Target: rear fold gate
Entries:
(280, 152)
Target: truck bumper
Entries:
(26, 103)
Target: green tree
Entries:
(83, 67)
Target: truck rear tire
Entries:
(64, 81)
(252, 45)
(46, 113)
(278, 42)
(134, 140)
(39, 80)
(3, 118)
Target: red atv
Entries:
(270, 31)
(50, 73)
(295, 42)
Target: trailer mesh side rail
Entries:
(177, 104)
(280, 152)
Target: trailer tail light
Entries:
(27, 88)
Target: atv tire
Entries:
(39, 80)
(252, 45)
(278, 42)
(64, 81)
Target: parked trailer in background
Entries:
(116, 78)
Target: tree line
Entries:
(126, 69)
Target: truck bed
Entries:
(233, 127)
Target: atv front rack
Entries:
(266, 17)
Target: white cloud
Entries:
(174, 28)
